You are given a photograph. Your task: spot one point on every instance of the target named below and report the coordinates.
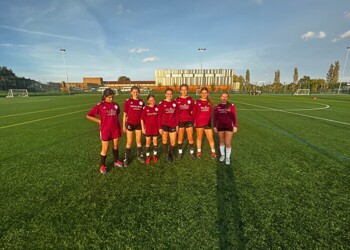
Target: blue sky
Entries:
(126, 37)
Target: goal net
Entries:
(17, 93)
(145, 91)
(198, 91)
(302, 92)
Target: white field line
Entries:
(41, 119)
(40, 111)
(303, 109)
(293, 113)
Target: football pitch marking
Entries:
(42, 119)
(40, 111)
(325, 106)
(293, 113)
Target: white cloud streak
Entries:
(312, 35)
(342, 36)
(139, 50)
(347, 14)
(150, 59)
(48, 34)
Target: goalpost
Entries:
(302, 92)
(198, 91)
(145, 91)
(17, 93)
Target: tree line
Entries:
(329, 84)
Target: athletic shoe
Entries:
(199, 154)
(222, 158)
(126, 162)
(148, 159)
(227, 161)
(213, 155)
(103, 169)
(169, 158)
(140, 159)
(118, 164)
(193, 156)
(155, 159)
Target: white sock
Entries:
(213, 150)
(222, 150)
(180, 151)
(228, 152)
(199, 150)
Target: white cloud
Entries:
(347, 14)
(139, 50)
(11, 45)
(312, 35)
(260, 2)
(342, 36)
(150, 59)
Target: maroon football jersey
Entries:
(167, 114)
(133, 109)
(224, 117)
(150, 119)
(108, 113)
(185, 108)
(202, 113)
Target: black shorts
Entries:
(229, 129)
(188, 124)
(132, 127)
(168, 129)
(208, 126)
(151, 135)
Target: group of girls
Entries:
(171, 118)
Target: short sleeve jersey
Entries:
(224, 117)
(133, 109)
(185, 108)
(150, 120)
(167, 114)
(108, 113)
(202, 113)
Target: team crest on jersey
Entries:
(189, 102)
(147, 110)
(174, 105)
(115, 106)
(140, 102)
(156, 109)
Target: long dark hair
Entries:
(107, 92)
(209, 99)
(135, 87)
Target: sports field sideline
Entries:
(287, 187)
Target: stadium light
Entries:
(202, 50)
(346, 60)
(65, 67)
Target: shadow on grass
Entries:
(229, 214)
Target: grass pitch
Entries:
(288, 185)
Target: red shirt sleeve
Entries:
(233, 110)
(215, 116)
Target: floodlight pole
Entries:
(346, 60)
(202, 50)
(65, 68)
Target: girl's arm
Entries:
(94, 119)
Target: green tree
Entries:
(295, 76)
(247, 78)
(123, 78)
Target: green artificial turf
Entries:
(287, 187)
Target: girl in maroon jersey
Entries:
(225, 124)
(132, 123)
(108, 112)
(168, 123)
(202, 114)
(149, 123)
(185, 106)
